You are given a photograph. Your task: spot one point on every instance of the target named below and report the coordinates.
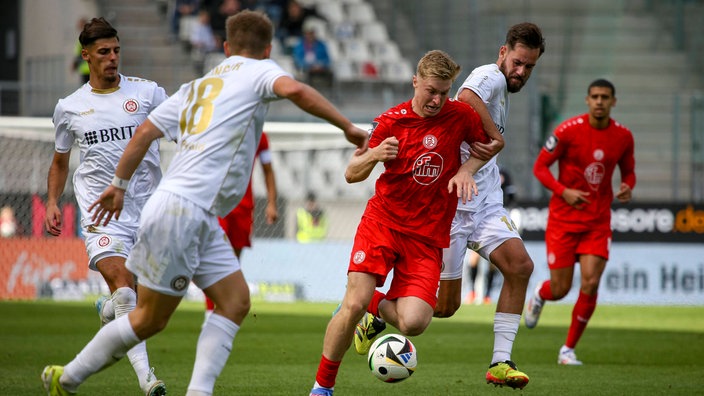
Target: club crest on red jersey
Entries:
(131, 106)
(430, 141)
(359, 257)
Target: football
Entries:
(392, 358)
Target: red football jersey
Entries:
(411, 194)
(587, 158)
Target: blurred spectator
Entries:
(274, 9)
(8, 222)
(182, 8)
(219, 11)
(312, 59)
(290, 30)
(202, 40)
(311, 221)
(79, 64)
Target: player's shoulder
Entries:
(138, 82)
(572, 124)
(620, 127)
(74, 97)
(489, 73)
(398, 112)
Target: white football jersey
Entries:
(217, 122)
(102, 122)
(489, 84)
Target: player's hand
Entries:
(484, 151)
(464, 184)
(359, 137)
(52, 220)
(272, 213)
(624, 194)
(108, 205)
(387, 150)
(576, 198)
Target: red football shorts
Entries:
(564, 247)
(238, 226)
(378, 249)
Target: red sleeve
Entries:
(378, 133)
(263, 143)
(547, 156)
(627, 164)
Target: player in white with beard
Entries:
(101, 117)
(217, 122)
(483, 224)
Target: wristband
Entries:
(120, 183)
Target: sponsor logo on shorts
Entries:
(359, 257)
(131, 106)
(179, 283)
(104, 241)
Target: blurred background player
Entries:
(474, 259)
(587, 148)
(311, 221)
(417, 141)
(239, 222)
(109, 101)
(217, 122)
(483, 224)
(80, 65)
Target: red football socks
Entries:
(373, 307)
(583, 310)
(327, 372)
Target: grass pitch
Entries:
(626, 351)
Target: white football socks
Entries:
(107, 347)
(505, 329)
(213, 350)
(124, 300)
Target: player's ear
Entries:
(226, 48)
(267, 52)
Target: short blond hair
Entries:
(249, 32)
(438, 64)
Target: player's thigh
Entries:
(493, 228)
(171, 234)
(216, 260)
(231, 297)
(454, 255)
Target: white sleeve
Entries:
(63, 137)
(165, 116)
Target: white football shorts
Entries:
(108, 241)
(480, 231)
(179, 242)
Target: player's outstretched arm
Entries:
(311, 101)
(111, 201)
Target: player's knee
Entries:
(446, 309)
(559, 290)
(412, 327)
(521, 269)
